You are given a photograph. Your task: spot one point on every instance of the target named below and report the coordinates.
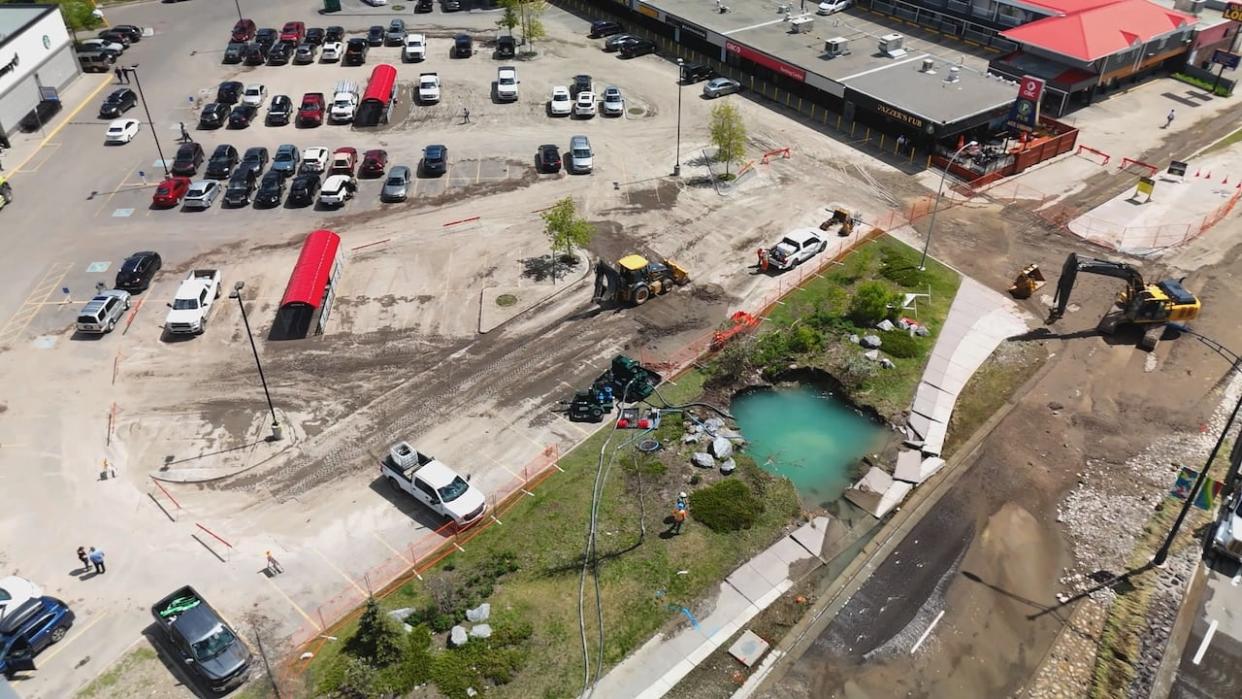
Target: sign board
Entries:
(1233, 11)
(1178, 168)
(1024, 114)
(1146, 186)
(1224, 58)
(1207, 496)
(766, 61)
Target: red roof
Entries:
(380, 88)
(314, 266)
(1065, 7)
(1101, 31)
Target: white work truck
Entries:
(415, 48)
(344, 102)
(793, 249)
(432, 483)
(187, 314)
(428, 88)
(506, 83)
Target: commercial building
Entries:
(36, 62)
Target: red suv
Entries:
(312, 109)
(171, 191)
(293, 32)
(244, 31)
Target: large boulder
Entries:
(870, 341)
(729, 466)
(886, 325)
(721, 448)
(401, 614)
(458, 636)
(481, 631)
(702, 460)
(479, 613)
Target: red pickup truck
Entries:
(312, 109)
(293, 32)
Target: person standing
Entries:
(97, 558)
(86, 564)
(679, 518)
(273, 565)
(465, 115)
(120, 75)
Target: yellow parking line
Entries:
(24, 315)
(63, 644)
(343, 574)
(119, 187)
(293, 604)
(68, 118)
(390, 548)
(498, 463)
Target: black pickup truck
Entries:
(208, 646)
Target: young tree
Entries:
(872, 303)
(511, 17)
(565, 229)
(377, 640)
(728, 134)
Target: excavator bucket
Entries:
(680, 275)
(1029, 280)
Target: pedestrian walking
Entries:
(185, 135)
(96, 557)
(465, 115)
(120, 75)
(273, 565)
(1168, 120)
(86, 564)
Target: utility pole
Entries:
(681, 79)
(133, 71)
(277, 434)
(931, 225)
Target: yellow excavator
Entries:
(1150, 306)
(634, 280)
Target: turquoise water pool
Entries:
(807, 436)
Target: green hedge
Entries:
(1220, 91)
(725, 506)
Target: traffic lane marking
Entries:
(1203, 646)
(55, 650)
(390, 548)
(293, 604)
(68, 118)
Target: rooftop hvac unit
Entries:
(802, 25)
(890, 45)
(836, 46)
(929, 66)
(953, 75)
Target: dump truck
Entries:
(208, 646)
(634, 280)
(433, 484)
(187, 314)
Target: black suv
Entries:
(694, 72)
(637, 48)
(271, 190)
(375, 35)
(602, 27)
(463, 46)
(266, 37)
(137, 271)
(214, 115)
(435, 160)
(423, 6)
(356, 52)
(303, 189)
(255, 160)
(280, 54)
(189, 157)
(279, 111)
(314, 36)
(581, 83)
(242, 115)
(241, 184)
(229, 92)
(223, 160)
(235, 52)
(333, 33)
(119, 102)
(256, 54)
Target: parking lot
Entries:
(401, 356)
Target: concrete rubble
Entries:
(877, 492)
(702, 459)
(728, 466)
(458, 636)
(481, 631)
(721, 448)
(479, 613)
(871, 341)
(915, 468)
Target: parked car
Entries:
(331, 52)
(395, 35)
(214, 115)
(285, 161)
(240, 187)
(334, 33)
(560, 104)
(613, 104)
(720, 86)
(829, 7)
(451, 5)
(506, 46)
(463, 46)
(201, 195)
(29, 629)
(614, 42)
(314, 160)
(584, 106)
(96, 61)
(40, 115)
(235, 52)
(207, 644)
(337, 190)
(271, 190)
(303, 189)
(432, 483)
(229, 92)
(279, 110)
(110, 47)
(548, 158)
(375, 35)
(292, 32)
(641, 47)
(116, 37)
(242, 115)
(253, 160)
(266, 37)
(344, 160)
(100, 315)
(170, 192)
(435, 160)
(603, 27)
(581, 158)
(310, 113)
(244, 30)
(795, 248)
(423, 6)
(134, 32)
(397, 186)
(305, 53)
(581, 83)
(137, 271)
(121, 131)
(256, 54)
(221, 163)
(694, 72)
(279, 54)
(415, 48)
(374, 162)
(507, 84)
(189, 157)
(315, 36)
(15, 591)
(120, 101)
(356, 52)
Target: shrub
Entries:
(377, 640)
(829, 311)
(771, 349)
(733, 361)
(805, 339)
(902, 346)
(442, 622)
(855, 371)
(871, 303)
(726, 506)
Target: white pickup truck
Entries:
(428, 88)
(344, 102)
(795, 248)
(432, 483)
(415, 48)
(506, 83)
(193, 303)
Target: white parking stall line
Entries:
(1207, 639)
(927, 632)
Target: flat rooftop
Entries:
(761, 25)
(15, 17)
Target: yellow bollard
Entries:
(867, 136)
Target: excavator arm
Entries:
(1075, 264)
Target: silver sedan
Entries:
(720, 86)
(397, 186)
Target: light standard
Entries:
(133, 71)
(1163, 552)
(931, 225)
(681, 79)
(239, 14)
(236, 294)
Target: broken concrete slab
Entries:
(749, 648)
(721, 448)
(481, 631)
(893, 497)
(702, 459)
(458, 636)
(813, 534)
(915, 468)
(479, 613)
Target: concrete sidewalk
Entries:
(655, 668)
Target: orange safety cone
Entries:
(1226, 180)
(1196, 173)
(1208, 176)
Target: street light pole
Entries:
(236, 294)
(239, 14)
(681, 79)
(931, 225)
(133, 70)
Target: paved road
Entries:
(1213, 651)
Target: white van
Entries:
(581, 159)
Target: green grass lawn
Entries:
(541, 541)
